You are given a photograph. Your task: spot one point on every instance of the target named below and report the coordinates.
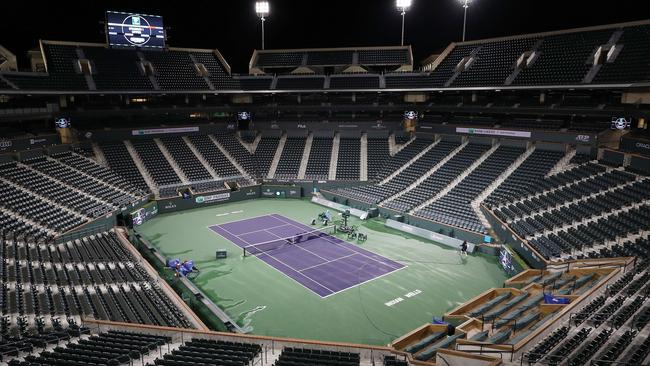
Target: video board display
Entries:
(134, 30)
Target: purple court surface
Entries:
(324, 264)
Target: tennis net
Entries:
(275, 244)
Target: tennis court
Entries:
(318, 261)
(262, 300)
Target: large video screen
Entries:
(134, 30)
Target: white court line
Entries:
(246, 219)
(278, 270)
(236, 236)
(299, 272)
(360, 253)
(330, 261)
(355, 252)
(364, 282)
(256, 231)
(298, 246)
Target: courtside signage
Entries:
(212, 198)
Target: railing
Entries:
(84, 232)
(589, 316)
(510, 348)
(270, 345)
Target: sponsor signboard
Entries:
(212, 198)
(493, 132)
(161, 131)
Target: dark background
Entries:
(233, 28)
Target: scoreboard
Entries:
(134, 30)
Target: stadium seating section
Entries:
(555, 58)
(48, 284)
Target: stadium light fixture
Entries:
(403, 6)
(262, 9)
(465, 7)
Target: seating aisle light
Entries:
(262, 9)
(403, 6)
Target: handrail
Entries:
(482, 349)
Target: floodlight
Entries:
(262, 9)
(403, 5)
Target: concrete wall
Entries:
(640, 164)
(614, 158)
(507, 237)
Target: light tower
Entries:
(465, 7)
(403, 5)
(262, 10)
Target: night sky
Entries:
(232, 27)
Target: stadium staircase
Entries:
(486, 193)
(172, 162)
(227, 154)
(305, 156)
(250, 146)
(411, 161)
(201, 158)
(143, 170)
(394, 147)
(253, 146)
(98, 155)
(428, 173)
(151, 77)
(363, 169)
(89, 76)
(276, 157)
(334, 159)
(457, 180)
(563, 164)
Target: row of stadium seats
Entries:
(49, 195)
(290, 158)
(349, 159)
(368, 57)
(85, 346)
(319, 158)
(119, 69)
(611, 328)
(376, 193)
(455, 207)
(94, 276)
(110, 348)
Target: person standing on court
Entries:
(463, 248)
